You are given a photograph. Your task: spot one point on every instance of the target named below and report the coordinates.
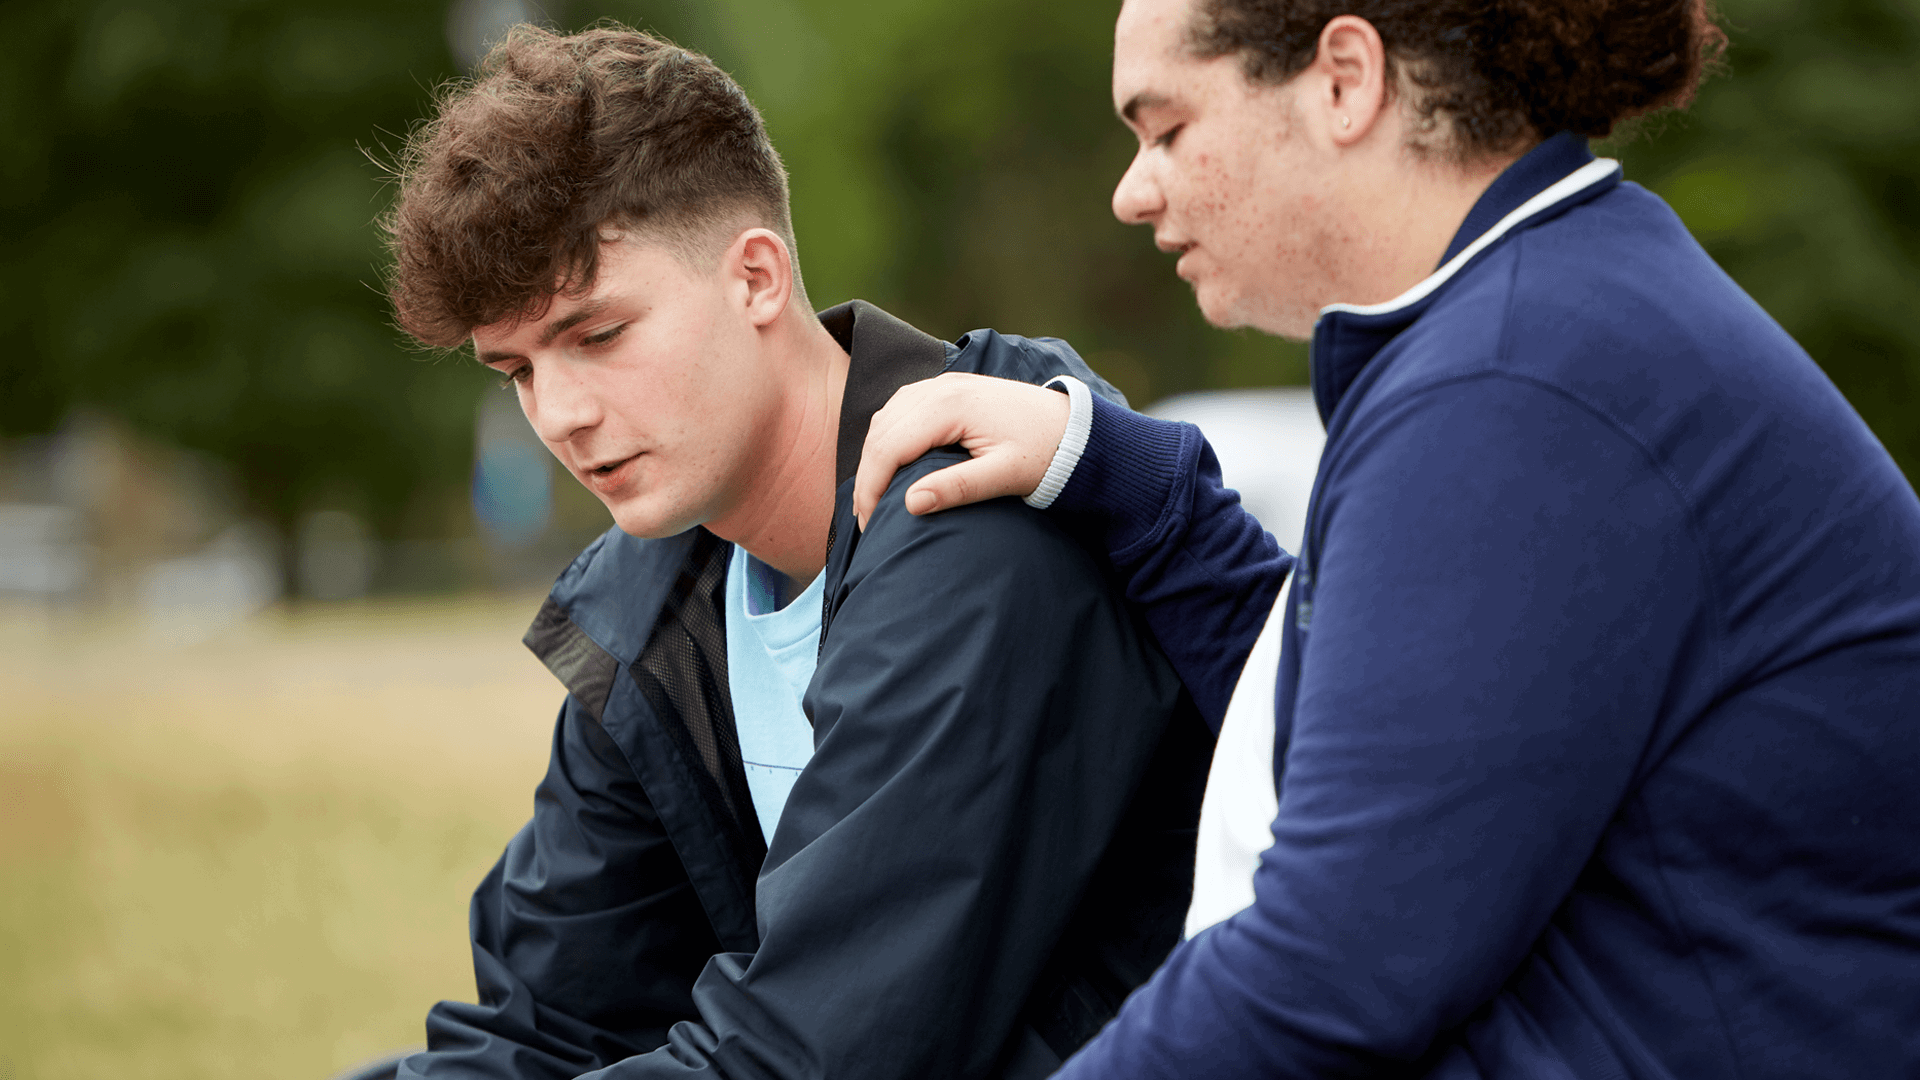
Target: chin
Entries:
(1240, 311)
(1216, 307)
(649, 522)
(652, 529)
(1225, 309)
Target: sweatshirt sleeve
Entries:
(1201, 568)
(1502, 586)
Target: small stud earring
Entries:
(1346, 122)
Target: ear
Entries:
(1352, 88)
(760, 262)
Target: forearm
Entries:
(1473, 699)
(510, 1035)
(1202, 569)
(590, 886)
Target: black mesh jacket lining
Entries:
(683, 674)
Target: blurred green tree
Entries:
(187, 214)
(190, 244)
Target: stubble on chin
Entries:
(1222, 307)
(1255, 310)
(1229, 310)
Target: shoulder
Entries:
(1002, 519)
(997, 541)
(991, 587)
(1033, 360)
(1614, 305)
(1619, 290)
(1620, 266)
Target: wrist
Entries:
(1127, 474)
(1073, 441)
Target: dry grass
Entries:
(252, 856)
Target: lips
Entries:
(1184, 266)
(610, 477)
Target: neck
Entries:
(1412, 218)
(784, 517)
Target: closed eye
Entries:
(604, 336)
(1166, 139)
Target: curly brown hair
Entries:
(1498, 74)
(504, 193)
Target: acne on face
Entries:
(1220, 175)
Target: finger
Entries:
(970, 481)
(906, 427)
(880, 458)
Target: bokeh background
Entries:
(263, 566)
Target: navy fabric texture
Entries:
(990, 848)
(1202, 570)
(1599, 711)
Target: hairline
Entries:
(1432, 135)
(695, 240)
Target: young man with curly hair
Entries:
(913, 801)
(1593, 749)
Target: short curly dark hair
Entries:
(1497, 74)
(504, 193)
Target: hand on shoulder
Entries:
(1010, 428)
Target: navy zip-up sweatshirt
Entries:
(1598, 717)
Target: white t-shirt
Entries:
(1237, 812)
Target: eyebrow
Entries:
(554, 329)
(1146, 99)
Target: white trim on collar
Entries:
(1579, 180)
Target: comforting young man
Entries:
(1594, 729)
(912, 801)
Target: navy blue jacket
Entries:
(991, 847)
(1598, 719)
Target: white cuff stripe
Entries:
(1072, 442)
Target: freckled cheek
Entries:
(1222, 185)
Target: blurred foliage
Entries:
(187, 217)
(189, 243)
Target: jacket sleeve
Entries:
(1492, 633)
(1202, 569)
(590, 886)
(983, 711)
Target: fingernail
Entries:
(920, 502)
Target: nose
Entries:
(1137, 199)
(559, 403)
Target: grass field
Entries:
(251, 856)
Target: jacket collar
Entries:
(602, 610)
(1551, 178)
(884, 355)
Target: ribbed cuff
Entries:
(1126, 474)
(1072, 441)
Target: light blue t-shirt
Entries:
(771, 655)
